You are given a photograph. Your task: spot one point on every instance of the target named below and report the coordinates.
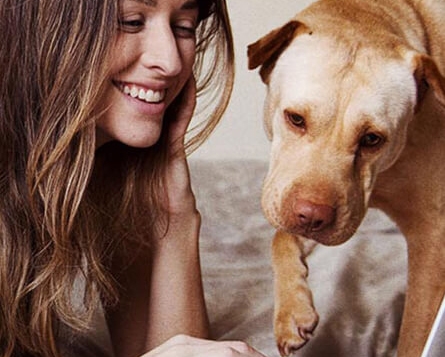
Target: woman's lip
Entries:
(143, 106)
(142, 85)
(143, 93)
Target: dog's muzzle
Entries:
(308, 219)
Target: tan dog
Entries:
(355, 110)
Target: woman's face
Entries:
(151, 62)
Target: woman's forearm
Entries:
(176, 295)
(160, 293)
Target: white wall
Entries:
(240, 133)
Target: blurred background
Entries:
(240, 134)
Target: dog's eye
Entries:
(295, 119)
(371, 140)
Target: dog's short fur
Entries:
(355, 110)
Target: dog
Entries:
(355, 111)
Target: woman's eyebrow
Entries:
(147, 2)
(187, 5)
(190, 5)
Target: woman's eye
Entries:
(184, 31)
(131, 25)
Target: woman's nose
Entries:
(160, 51)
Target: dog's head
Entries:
(337, 112)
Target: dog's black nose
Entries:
(313, 217)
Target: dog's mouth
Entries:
(335, 228)
(329, 237)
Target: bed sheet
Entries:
(358, 287)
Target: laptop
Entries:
(435, 344)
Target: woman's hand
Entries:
(180, 196)
(186, 346)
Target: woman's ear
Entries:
(427, 77)
(267, 49)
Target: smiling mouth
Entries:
(142, 94)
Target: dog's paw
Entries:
(294, 329)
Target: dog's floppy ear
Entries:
(428, 76)
(267, 49)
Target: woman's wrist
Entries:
(179, 228)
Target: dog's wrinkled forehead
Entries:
(318, 73)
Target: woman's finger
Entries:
(181, 115)
(186, 346)
(180, 196)
(177, 340)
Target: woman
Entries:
(95, 100)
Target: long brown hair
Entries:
(65, 206)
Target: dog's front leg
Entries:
(426, 288)
(295, 316)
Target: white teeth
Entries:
(152, 96)
(157, 96)
(141, 94)
(134, 92)
(149, 96)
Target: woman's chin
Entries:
(136, 137)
